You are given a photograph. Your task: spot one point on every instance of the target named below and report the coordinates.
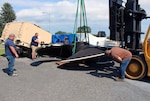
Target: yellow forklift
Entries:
(140, 66)
(125, 26)
(146, 48)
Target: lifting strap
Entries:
(83, 19)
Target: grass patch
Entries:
(2, 50)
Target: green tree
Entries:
(7, 14)
(61, 32)
(84, 29)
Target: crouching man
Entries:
(123, 57)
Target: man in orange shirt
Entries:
(123, 57)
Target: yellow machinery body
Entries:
(139, 65)
(146, 48)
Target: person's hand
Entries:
(17, 56)
(17, 47)
(120, 60)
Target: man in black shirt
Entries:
(34, 45)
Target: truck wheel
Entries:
(29, 51)
(136, 69)
(20, 51)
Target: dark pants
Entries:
(123, 67)
(11, 60)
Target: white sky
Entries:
(59, 15)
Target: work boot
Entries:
(119, 79)
(14, 75)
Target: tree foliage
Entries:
(61, 32)
(84, 29)
(7, 14)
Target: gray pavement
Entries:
(41, 80)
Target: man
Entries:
(123, 57)
(66, 41)
(11, 53)
(34, 45)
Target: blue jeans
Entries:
(123, 67)
(11, 60)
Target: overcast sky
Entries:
(59, 15)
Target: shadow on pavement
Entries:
(146, 79)
(37, 63)
(75, 66)
(106, 70)
(5, 70)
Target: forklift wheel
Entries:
(136, 69)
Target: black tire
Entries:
(29, 51)
(20, 51)
(136, 69)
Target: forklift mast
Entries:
(125, 23)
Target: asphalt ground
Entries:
(42, 80)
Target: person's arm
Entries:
(13, 51)
(36, 40)
(117, 58)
